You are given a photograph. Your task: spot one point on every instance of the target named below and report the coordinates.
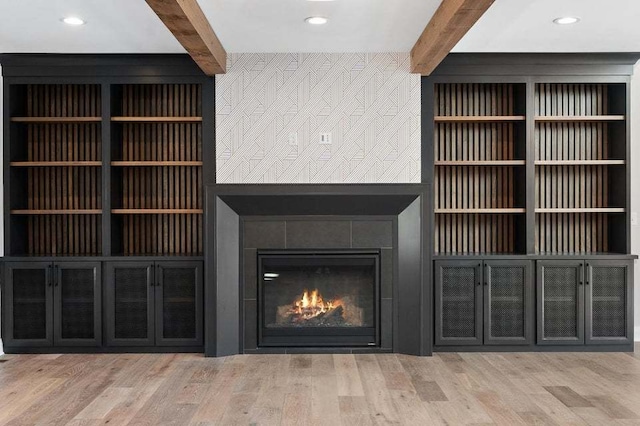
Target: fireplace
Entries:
(318, 298)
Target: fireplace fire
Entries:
(312, 310)
(318, 299)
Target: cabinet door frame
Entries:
(568, 263)
(528, 313)
(58, 267)
(440, 340)
(8, 312)
(109, 289)
(159, 309)
(588, 294)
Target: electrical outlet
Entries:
(293, 139)
(325, 139)
(634, 218)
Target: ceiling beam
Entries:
(447, 26)
(190, 27)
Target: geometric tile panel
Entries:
(272, 108)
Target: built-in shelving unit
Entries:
(157, 169)
(580, 156)
(479, 167)
(55, 163)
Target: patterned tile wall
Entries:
(271, 109)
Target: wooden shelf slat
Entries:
(56, 119)
(560, 118)
(481, 211)
(156, 211)
(56, 163)
(478, 118)
(154, 163)
(56, 212)
(578, 162)
(481, 163)
(582, 210)
(157, 119)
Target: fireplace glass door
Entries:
(322, 299)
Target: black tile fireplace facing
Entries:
(311, 298)
(326, 237)
(384, 219)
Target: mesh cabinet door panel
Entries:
(29, 303)
(459, 304)
(179, 298)
(131, 302)
(76, 304)
(178, 303)
(507, 303)
(608, 300)
(561, 298)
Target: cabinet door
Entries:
(129, 303)
(609, 299)
(28, 304)
(77, 304)
(560, 302)
(508, 296)
(178, 295)
(458, 302)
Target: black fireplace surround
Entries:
(317, 269)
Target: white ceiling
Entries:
(129, 26)
(527, 26)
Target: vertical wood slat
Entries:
(572, 186)
(162, 187)
(473, 187)
(63, 187)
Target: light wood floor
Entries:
(505, 389)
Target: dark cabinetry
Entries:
(483, 302)
(154, 303)
(52, 303)
(584, 302)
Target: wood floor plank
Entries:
(349, 390)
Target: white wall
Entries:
(635, 186)
(1, 198)
(370, 102)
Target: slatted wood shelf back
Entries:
(56, 159)
(479, 158)
(157, 160)
(580, 157)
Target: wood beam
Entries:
(447, 26)
(190, 27)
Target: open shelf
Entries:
(156, 119)
(478, 118)
(580, 175)
(56, 212)
(583, 118)
(481, 211)
(156, 163)
(583, 210)
(156, 211)
(56, 169)
(54, 120)
(479, 176)
(580, 162)
(55, 163)
(472, 163)
(156, 153)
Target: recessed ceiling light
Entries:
(566, 20)
(316, 20)
(73, 20)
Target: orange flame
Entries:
(311, 304)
